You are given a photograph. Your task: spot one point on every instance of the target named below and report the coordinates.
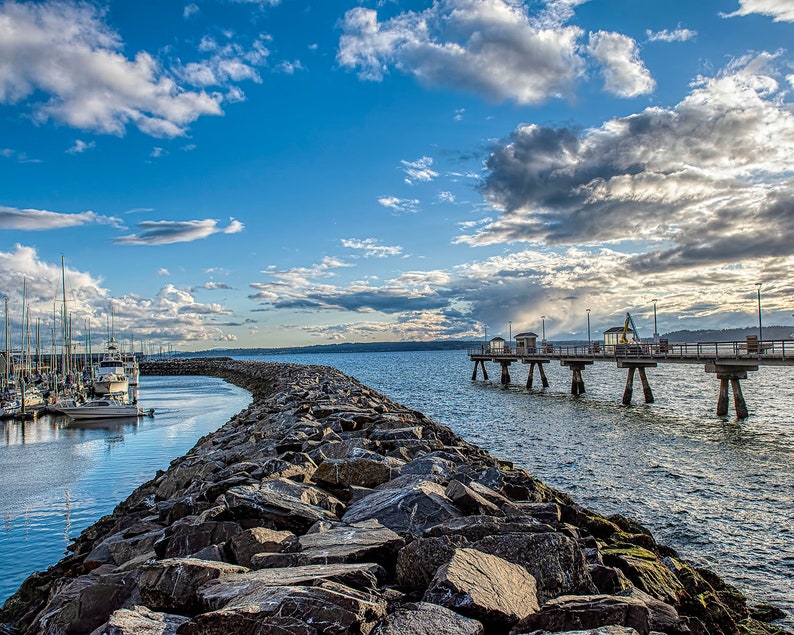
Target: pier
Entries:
(728, 361)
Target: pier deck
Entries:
(729, 361)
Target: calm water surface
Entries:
(721, 491)
(58, 477)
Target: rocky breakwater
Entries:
(326, 508)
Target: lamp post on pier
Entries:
(655, 330)
(543, 329)
(510, 337)
(588, 331)
(760, 330)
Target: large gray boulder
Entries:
(423, 618)
(556, 561)
(485, 588)
(328, 608)
(140, 621)
(171, 584)
(250, 502)
(227, 590)
(407, 510)
(573, 613)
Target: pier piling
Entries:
(731, 375)
(646, 386)
(505, 373)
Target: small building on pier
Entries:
(497, 345)
(612, 337)
(526, 343)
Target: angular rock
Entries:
(172, 584)
(227, 590)
(661, 616)
(579, 612)
(469, 501)
(423, 618)
(307, 493)
(261, 540)
(140, 621)
(363, 468)
(410, 510)
(478, 527)
(367, 541)
(645, 571)
(556, 561)
(485, 588)
(186, 539)
(250, 502)
(419, 560)
(328, 608)
(603, 630)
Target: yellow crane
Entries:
(635, 336)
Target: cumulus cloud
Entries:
(173, 315)
(621, 67)
(676, 35)
(40, 220)
(710, 177)
(400, 205)
(371, 249)
(81, 146)
(163, 272)
(67, 53)
(419, 170)
(779, 10)
(213, 286)
(228, 62)
(168, 232)
(488, 47)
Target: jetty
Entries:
(727, 361)
(325, 508)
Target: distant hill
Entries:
(729, 335)
(348, 347)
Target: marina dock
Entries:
(728, 361)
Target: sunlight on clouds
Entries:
(780, 10)
(624, 73)
(69, 52)
(370, 247)
(400, 205)
(488, 47)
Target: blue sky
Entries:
(285, 172)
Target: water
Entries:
(59, 477)
(721, 491)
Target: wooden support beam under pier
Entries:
(543, 379)
(646, 386)
(731, 374)
(577, 379)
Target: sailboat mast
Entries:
(8, 355)
(66, 348)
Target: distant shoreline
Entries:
(683, 336)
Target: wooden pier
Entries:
(728, 361)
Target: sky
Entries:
(262, 173)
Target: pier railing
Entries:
(777, 350)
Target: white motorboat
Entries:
(106, 407)
(111, 376)
(12, 406)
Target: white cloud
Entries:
(779, 10)
(400, 205)
(169, 232)
(81, 146)
(70, 55)
(677, 35)
(190, 10)
(172, 315)
(621, 67)
(163, 272)
(40, 220)
(371, 248)
(489, 47)
(419, 170)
